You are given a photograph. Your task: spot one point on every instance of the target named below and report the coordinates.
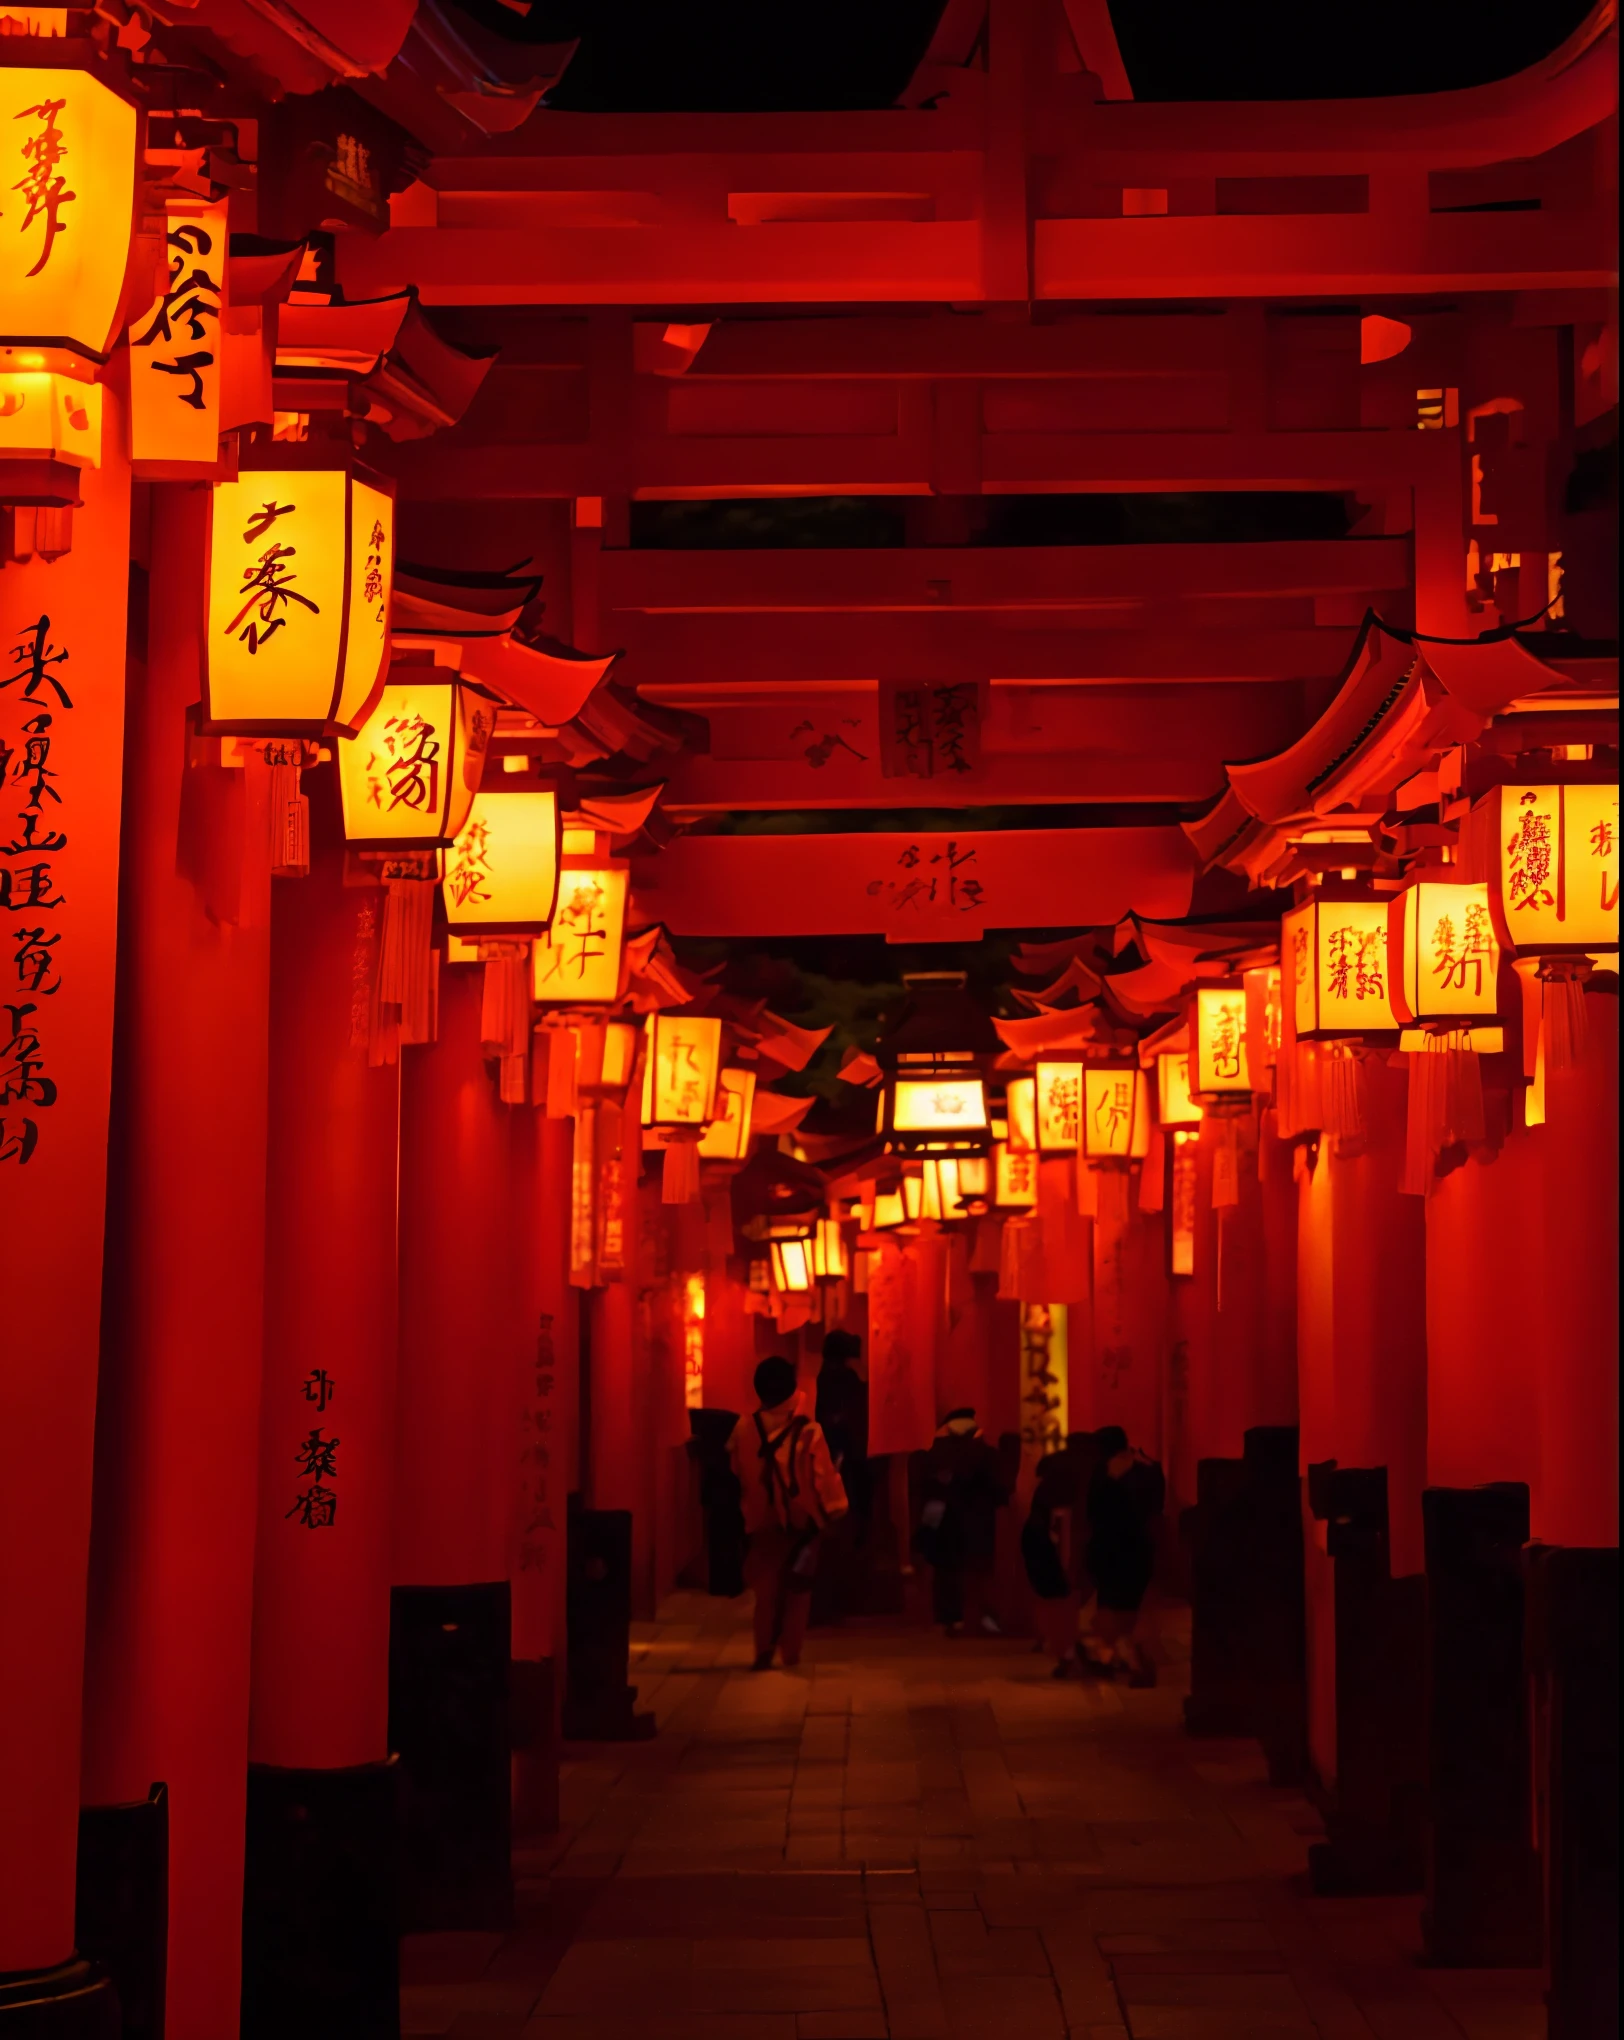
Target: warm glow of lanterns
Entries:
(1059, 1107)
(501, 874)
(301, 569)
(1552, 856)
(1116, 1114)
(1336, 953)
(1021, 1110)
(680, 1069)
(932, 1189)
(68, 168)
(407, 778)
(829, 1259)
(175, 345)
(974, 1179)
(939, 1105)
(727, 1137)
(1181, 1227)
(890, 1209)
(1015, 1175)
(792, 1266)
(1175, 1106)
(1221, 1037)
(1442, 952)
(1263, 1019)
(578, 959)
(605, 1056)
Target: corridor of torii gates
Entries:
(928, 689)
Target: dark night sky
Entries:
(718, 55)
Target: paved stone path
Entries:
(917, 1839)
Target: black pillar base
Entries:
(1375, 1825)
(448, 1726)
(321, 1912)
(599, 1705)
(1247, 1674)
(1483, 1901)
(1573, 1654)
(121, 1915)
(72, 2001)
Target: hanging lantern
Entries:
(578, 959)
(605, 1056)
(1442, 953)
(1015, 1175)
(890, 1209)
(935, 1105)
(1336, 950)
(1550, 854)
(1059, 1107)
(975, 1175)
(727, 1137)
(791, 1266)
(1021, 1108)
(407, 778)
(1116, 1114)
(1175, 1106)
(1222, 1051)
(829, 1261)
(67, 164)
(679, 1071)
(301, 570)
(932, 1189)
(176, 346)
(1263, 1020)
(1181, 1229)
(501, 874)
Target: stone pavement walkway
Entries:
(917, 1839)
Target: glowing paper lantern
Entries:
(1263, 1019)
(605, 1056)
(932, 1190)
(1181, 1229)
(679, 1073)
(1174, 1104)
(1116, 1114)
(1336, 951)
(67, 167)
(974, 1178)
(176, 345)
(935, 1107)
(1021, 1110)
(1442, 952)
(829, 1262)
(301, 571)
(727, 1137)
(407, 778)
(578, 959)
(1059, 1107)
(501, 874)
(1552, 864)
(1015, 1175)
(1222, 1052)
(791, 1266)
(890, 1209)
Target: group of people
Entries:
(800, 1470)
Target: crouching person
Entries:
(790, 1492)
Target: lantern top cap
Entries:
(938, 1020)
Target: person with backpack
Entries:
(790, 1492)
(1126, 1494)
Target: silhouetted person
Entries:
(1048, 1538)
(1125, 1493)
(958, 1525)
(842, 1411)
(789, 1490)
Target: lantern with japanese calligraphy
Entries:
(407, 778)
(1442, 953)
(68, 143)
(1221, 1051)
(1263, 1021)
(1021, 1106)
(501, 874)
(578, 960)
(1175, 1106)
(936, 1105)
(1116, 1114)
(1335, 950)
(1550, 856)
(605, 1056)
(1015, 1175)
(301, 569)
(679, 1071)
(727, 1137)
(176, 345)
(1059, 1107)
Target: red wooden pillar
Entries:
(1223, 1313)
(62, 639)
(1130, 1314)
(321, 1819)
(1578, 1488)
(172, 1555)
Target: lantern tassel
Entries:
(1564, 1021)
(1424, 1115)
(679, 1181)
(406, 965)
(1226, 1164)
(504, 1012)
(1342, 1093)
(290, 824)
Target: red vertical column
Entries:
(457, 1489)
(1578, 1485)
(1130, 1322)
(172, 1556)
(319, 1923)
(1317, 1428)
(62, 639)
(1222, 1311)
